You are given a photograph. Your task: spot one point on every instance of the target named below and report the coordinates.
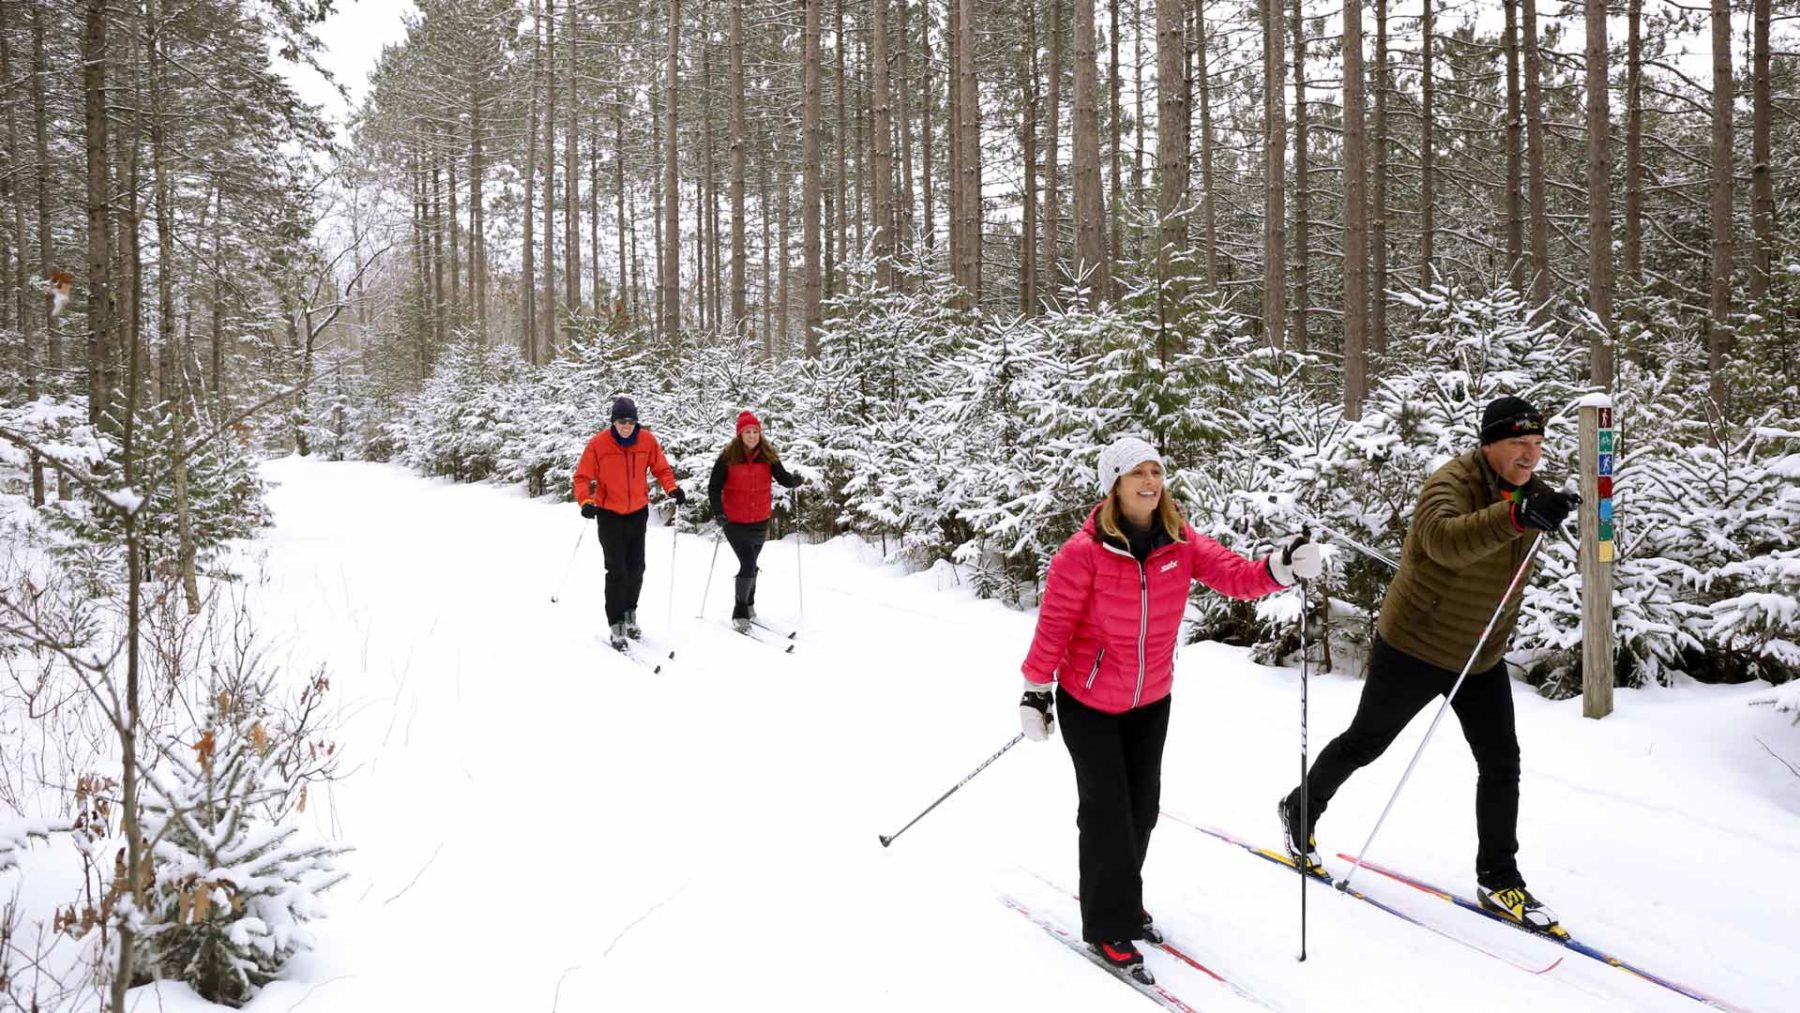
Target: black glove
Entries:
(1544, 511)
(590, 511)
(679, 496)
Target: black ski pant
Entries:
(622, 542)
(1118, 776)
(1398, 687)
(747, 541)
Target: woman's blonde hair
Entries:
(736, 453)
(1167, 514)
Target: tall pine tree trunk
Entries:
(552, 317)
(968, 99)
(1762, 169)
(1356, 293)
(1208, 200)
(1515, 154)
(841, 182)
(1028, 88)
(1376, 299)
(1053, 153)
(1634, 147)
(883, 170)
(628, 292)
(1719, 306)
(1427, 146)
(101, 347)
(1599, 181)
(528, 286)
(46, 244)
(1090, 214)
(740, 309)
(809, 187)
(571, 178)
(1171, 138)
(903, 67)
(1116, 197)
(927, 169)
(1274, 176)
(1534, 162)
(477, 234)
(1302, 195)
(671, 251)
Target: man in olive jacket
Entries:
(1473, 526)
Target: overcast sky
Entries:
(353, 38)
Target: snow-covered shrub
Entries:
(944, 434)
(233, 879)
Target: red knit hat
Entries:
(747, 419)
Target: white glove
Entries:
(1036, 719)
(1301, 559)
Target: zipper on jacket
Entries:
(1095, 672)
(1143, 628)
(1143, 615)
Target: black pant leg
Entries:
(635, 525)
(747, 542)
(1484, 706)
(1111, 884)
(1146, 730)
(612, 546)
(1398, 687)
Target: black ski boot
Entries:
(632, 629)
(619, 641)
(1314, 865)
(1148, 931)
(740, 609)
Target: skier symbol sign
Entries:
(1603, 473)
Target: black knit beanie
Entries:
(1507, 417)
(624, 408)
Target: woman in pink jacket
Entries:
(1105, 641)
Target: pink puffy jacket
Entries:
(1107, 626)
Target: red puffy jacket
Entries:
(613, 476)
(1107, 626)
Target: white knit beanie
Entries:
(1122, 455)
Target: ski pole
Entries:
(556, 595)
(1375, 554)
(714, 565)
(887, 839)
(674, 535)
(1301, 865)
(1518, 577)
(799, 580)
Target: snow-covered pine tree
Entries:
(234, 877)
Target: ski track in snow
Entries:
(524, 798)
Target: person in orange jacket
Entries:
(612, 490)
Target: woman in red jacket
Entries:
(1105, 637)
(739, 491)
(610, 486)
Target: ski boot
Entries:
(632, 629)
(1314, 865)
(619, 641)
(1122, 955)
(1148, 931)
(1516, 905)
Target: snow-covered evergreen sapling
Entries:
(235, 877)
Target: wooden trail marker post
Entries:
(1596, 552)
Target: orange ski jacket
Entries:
(612, 476)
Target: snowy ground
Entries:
(541, 824)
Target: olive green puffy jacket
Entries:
(1461, 552)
